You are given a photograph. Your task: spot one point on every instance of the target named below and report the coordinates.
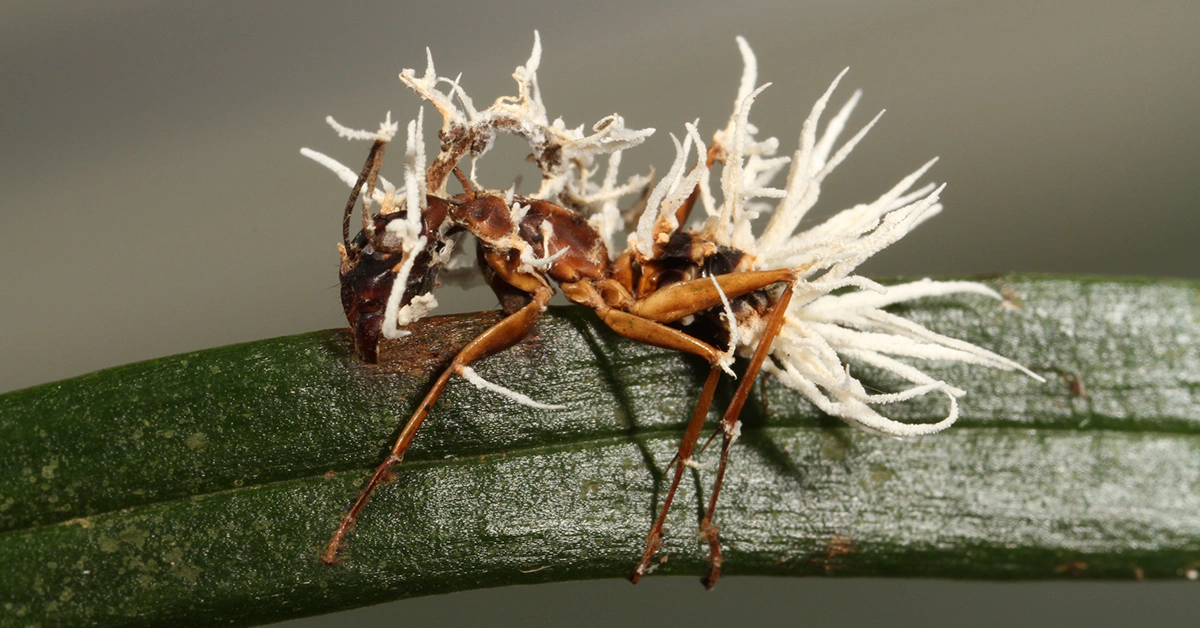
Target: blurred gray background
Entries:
(153, 199)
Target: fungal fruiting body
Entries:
(786, 298)
(822, 330)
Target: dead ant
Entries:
(638, 302)
(667, 278)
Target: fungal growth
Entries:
(784, 297)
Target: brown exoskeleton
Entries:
(370, 264)
(638, 302)
(786, 298)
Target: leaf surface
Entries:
(199, 489)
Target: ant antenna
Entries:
(369, 170)
(466, 183)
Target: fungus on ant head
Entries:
(787, 300)
(388, 279)
(390, 268)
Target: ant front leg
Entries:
(504, 334)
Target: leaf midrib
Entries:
(638, 435)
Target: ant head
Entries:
(386, 285)
(367, 279)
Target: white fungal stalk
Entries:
(411, 242)
(564, 155)
(822, 331)
(479, 382)
(387, 131)
(731, 321)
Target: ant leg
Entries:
(681, 459)
(675, 302)
(685, 210)
(623, 271)
(728, 423)
(652, 333)
(464, 181)
(498, 337)
(682, 299)
(647, 331)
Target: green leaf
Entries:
(200, 488)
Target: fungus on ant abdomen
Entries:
(785, 299)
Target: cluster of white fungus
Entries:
(821, 330)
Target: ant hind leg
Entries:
(728, 428)
(684, 455)
(649, 332)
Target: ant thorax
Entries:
(534, 236)
(685, 256)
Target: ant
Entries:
(637, 301)
(786, 300)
